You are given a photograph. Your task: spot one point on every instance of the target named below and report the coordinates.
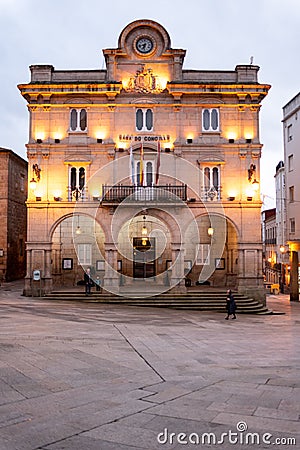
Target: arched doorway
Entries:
(77, 242)
(144, 247)
(213, 254)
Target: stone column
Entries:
(27, 284)
(38, 256)
(177, 276)
(111, 276)
(47, 278)
(294, 282)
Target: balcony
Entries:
(156, 194)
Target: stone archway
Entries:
(214, 256)
(164, 254)
(77, 243)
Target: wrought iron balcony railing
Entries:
(168, 192)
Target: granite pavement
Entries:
(84, 376)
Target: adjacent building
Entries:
(146, 172)
(271, 265)
(291, 137)
(13, 212)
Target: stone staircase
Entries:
(198, 301)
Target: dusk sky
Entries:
(217, 34)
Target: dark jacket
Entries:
(230, 304)
(88, 279)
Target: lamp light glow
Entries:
(210, 231)
(32, 184)
(144, 229)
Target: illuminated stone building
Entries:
(145, 171)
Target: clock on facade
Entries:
(144, 45)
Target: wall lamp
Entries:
(57, 199)
(231, 141)
(99, 141)
(144, 232)
(189, 141)
(167, 149)
(231, 199)
(121, 149)
(210, 231)
(249, 199)
(255, 185)
(57, 140)
(39, 141)
(248, 141)
(32, 184)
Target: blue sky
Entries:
(217, 34)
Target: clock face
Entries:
(144, 45)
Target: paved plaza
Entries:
(85, 376)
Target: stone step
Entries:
(212, 301)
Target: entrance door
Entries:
(143, 257)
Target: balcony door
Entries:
(143, 257)
(148, 178)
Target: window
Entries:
(291, 193)
(147, 175)
(22, 182)
(202, 256)
(144, 119)
(289, 131)
(210, 119)
(78, 120)
(84, 253)
(291, 163)
(76, 183)
(292, 225)
(211, 183)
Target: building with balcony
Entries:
(270, 253)
(146, 172)
(291, 139)
(13, 176)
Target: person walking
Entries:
(230, 305)
(88, 281)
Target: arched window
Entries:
(149, 173)
(78, 120)
(83, 120)
(215, 178)
(138, 173)
(139, 119)
(73, 119)
(210, 119)
(207, 177)
(149, 120)
(73, 178)
(144, 119)
(76, 183)
(81, 178)
(211, 183)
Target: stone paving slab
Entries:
(88, 376)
